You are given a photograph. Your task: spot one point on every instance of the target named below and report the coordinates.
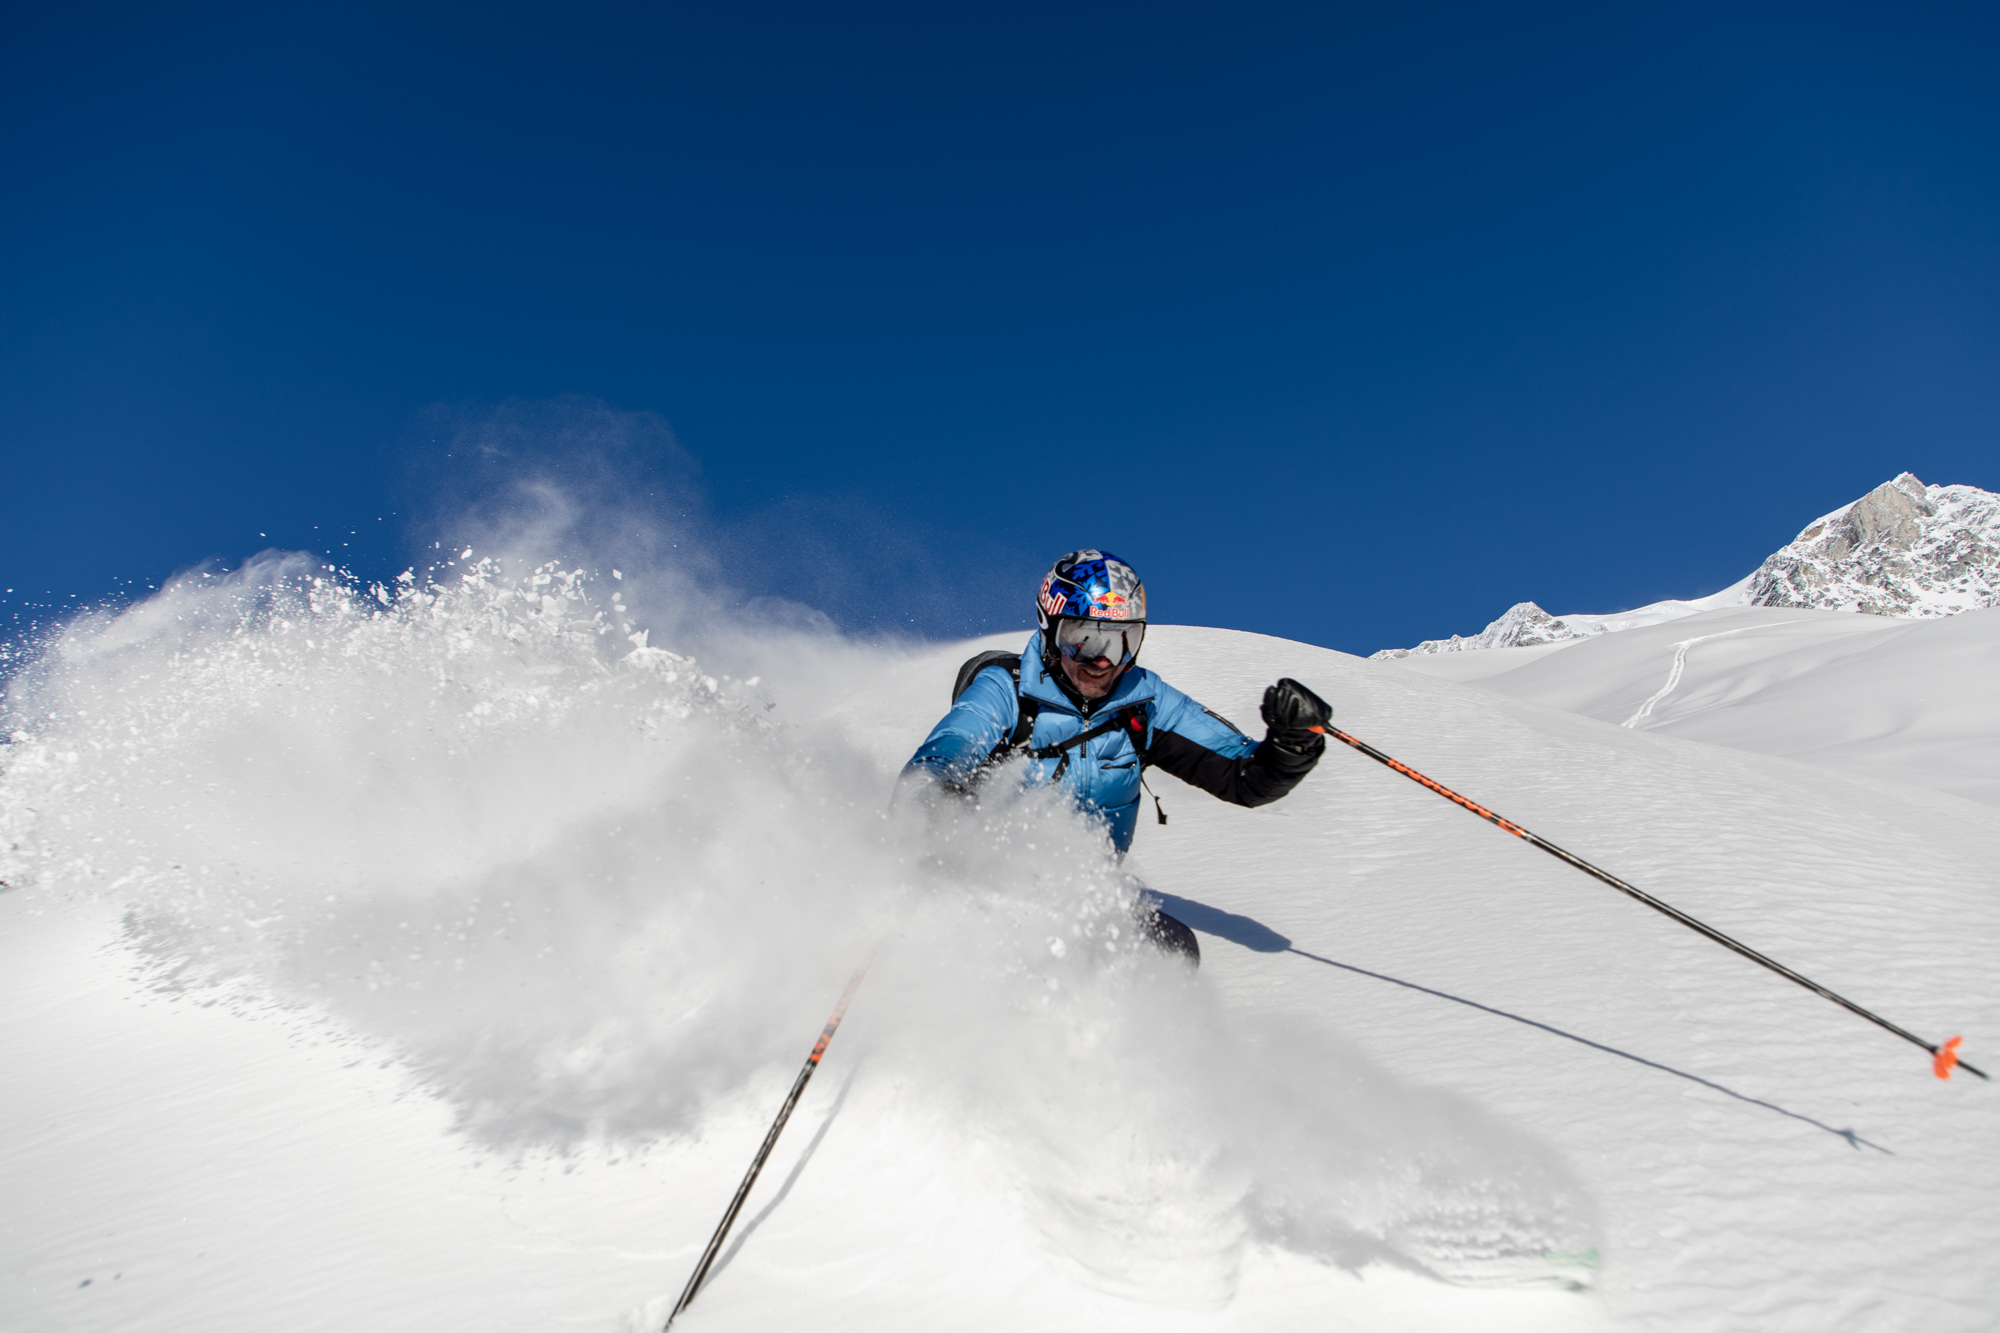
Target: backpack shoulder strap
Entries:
(1131, 717)
(1024, 725)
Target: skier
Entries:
(1074, 703)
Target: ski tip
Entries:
(1945, 1058)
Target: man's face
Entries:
(1093, 680)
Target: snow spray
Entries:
(587, 887)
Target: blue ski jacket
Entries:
(1102, 775)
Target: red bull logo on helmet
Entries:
(1108, 605)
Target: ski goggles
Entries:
(1088, 640)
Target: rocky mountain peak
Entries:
(1903, 549)
(1891, 514)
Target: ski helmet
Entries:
(1092, 586)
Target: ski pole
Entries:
(764, 1153)
(1943, 1057)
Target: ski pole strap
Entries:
(1944, 1056)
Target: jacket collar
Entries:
(1137, 685)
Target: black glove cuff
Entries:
(1295, 751)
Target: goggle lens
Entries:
(1089, 640)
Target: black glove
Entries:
(1291, 711)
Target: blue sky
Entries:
(1353, 324)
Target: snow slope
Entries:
(437, 962)
(1877, 698)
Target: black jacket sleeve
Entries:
(1258, 778)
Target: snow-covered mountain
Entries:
(1526, 625)
(1903, 549)
(441, 964)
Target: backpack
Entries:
(1029, 709)
(1131, 716)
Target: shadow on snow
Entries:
(1255, 935)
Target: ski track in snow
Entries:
(1674, 672)
(1906, 703)
(526, 1092)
